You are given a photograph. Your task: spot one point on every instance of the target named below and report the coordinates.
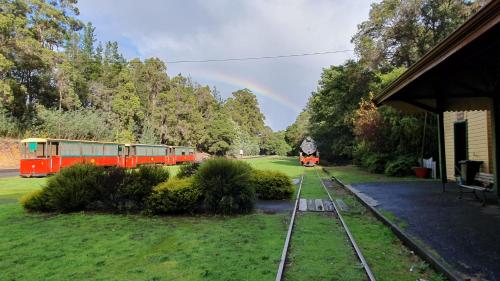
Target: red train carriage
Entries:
(139, 154)
(41, 156)
(183, 154)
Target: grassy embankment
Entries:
(389, 259)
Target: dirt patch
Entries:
(9, 153)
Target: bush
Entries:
(35, 201)
(400, 167)
(174, 196)
(139, 184)
(271, 185)
(375, 163)
(86, 186)
(109, 190)
(74, 188)
(225, 185)
(188, 170)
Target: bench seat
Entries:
(485, 185)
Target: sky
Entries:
(217, 29)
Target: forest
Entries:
(340, 116)
(57, 80)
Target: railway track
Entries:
(357, 250)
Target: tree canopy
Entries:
(56, 80)
(340, 115)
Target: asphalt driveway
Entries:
(462, 232)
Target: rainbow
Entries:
(259, 90)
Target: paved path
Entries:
(464, 234)
(9, 173)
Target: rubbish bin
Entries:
(469, 169)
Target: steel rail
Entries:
(284, 253)
(367, 269)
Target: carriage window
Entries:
(111, 149)
(54, 149)
(34, 150)
(70, 149)
(87, 149)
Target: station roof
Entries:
(461, 73)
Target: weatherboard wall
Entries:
(479, 139)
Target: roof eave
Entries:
(479, 23)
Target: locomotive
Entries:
(308, 154)
(43, 156)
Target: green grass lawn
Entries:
(388, 258)
(173, 170)
(95, 246)
(91, 246)
(311, 186)
(12, 188)
(115, 247)
(287, 165)
(352, 174)
(320, 251)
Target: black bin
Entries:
(469, 169)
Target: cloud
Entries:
(198, 29)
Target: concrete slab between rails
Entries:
(404, 237)
(315, 205)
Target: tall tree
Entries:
(30, 33)
(398, 33)
(332, 105)
(298, 131)
(221, 134)
(244, 110)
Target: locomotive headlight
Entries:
(33, 166)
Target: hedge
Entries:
(271, 185)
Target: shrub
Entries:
(86, 186)
(401, 166)
(225, 185)
(139, 183)
(188, 170)
(109, 190)
(271, 185)
(35, 201)
(174, 196)
(74, 188)
(375, 163)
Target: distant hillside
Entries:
(9, 153)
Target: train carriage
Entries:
(184, 154)
(140, 154)
(44, 156)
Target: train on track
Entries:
(44, 156)
(308, 154)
